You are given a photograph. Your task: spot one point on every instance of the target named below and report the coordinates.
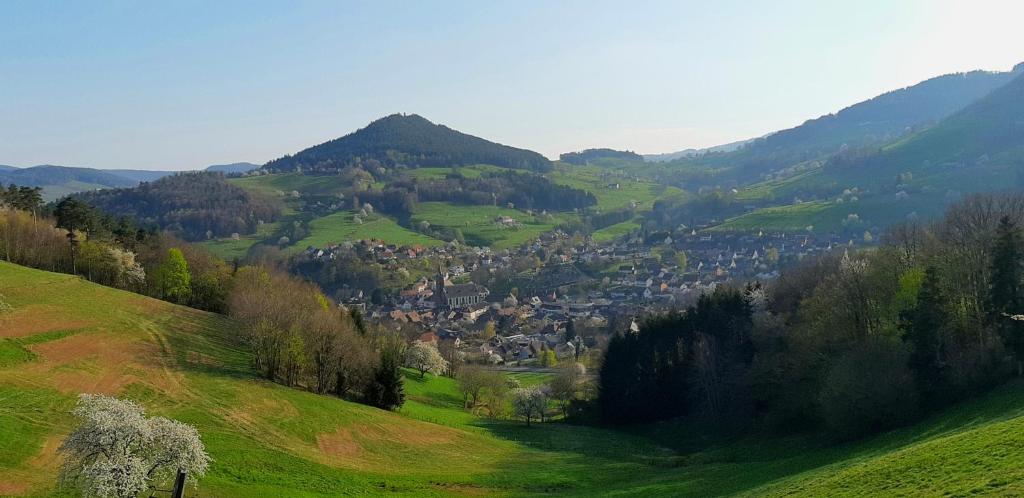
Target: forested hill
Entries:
(980, 148)
(193, 205)
(410, 140)
(989, 130)
(876, 121)
(585, 156)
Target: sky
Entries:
(183, 84)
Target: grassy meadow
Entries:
(478, 225)
(66, 336)
(599, 181)
(341, 226)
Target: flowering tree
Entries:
(117, 452)
(530, 402)
(426, 358)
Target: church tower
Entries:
(440, 295)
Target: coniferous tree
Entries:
(1005, 297)
(387, 390)
(570, 330)
(924, 324)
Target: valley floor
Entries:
(65, 336)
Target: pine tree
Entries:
(1005, 287)
(570, 330)
(387, 391)
(924, 325)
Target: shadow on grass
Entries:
(678, 459)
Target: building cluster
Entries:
(587, 284)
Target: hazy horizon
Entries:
(126, 86)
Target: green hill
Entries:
(978, 149)
(410, 140)
(875, 121)
(65, 336)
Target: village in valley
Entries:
(570, 303)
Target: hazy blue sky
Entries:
(184, 84)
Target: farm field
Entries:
(65, 336)
(341, 226)
(228, 249)
(613, 192)
(286, 183)
(615, 231)
(479, 226)
(473, 171)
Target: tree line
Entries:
(852, 342)
(300, 339)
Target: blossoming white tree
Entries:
(530, 402)
(117, 452)
(426, 358)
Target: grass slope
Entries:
(67, 336)
(599, 181)
(341, 226)
(478, 225)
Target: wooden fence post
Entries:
(179, 485)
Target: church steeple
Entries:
(440, 281)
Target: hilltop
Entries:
(409, 140)
(66, 336)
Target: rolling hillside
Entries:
(978, 149)
(873, 122)
(65, 336)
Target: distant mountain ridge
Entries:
(669, 156)
(407, 140)
(979, 148)
(58, 181)
(879, 120)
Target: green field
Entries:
(617, 230)
(289, 182)
(478, 225)
(69, 336)
(600, 181)
(341, 226)
(474, 171)
(229, 249)
(817, 214)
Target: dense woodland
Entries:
(195, 206)
(406, 140)
(855, 343)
